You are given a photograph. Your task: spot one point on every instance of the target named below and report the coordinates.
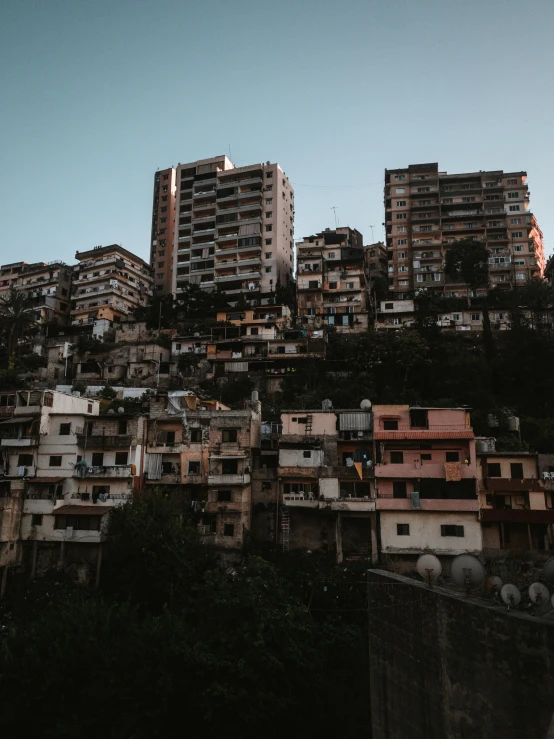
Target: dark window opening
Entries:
(194, 468)
(196, 435)
(399, 489)
(452, 456)
(402, 529)
(419, 419)
(65, 429)
(451, 530)
(493, 469)
(224, 496)
(36, 519)
(55, 462)
(516, 471)
(229, 435)
(228, 529)
(397, 457)
(229, 467)
(390, 425)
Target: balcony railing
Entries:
(24, 441)
(104, 442)
(123, 470)
(236, 479)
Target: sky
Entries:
(98, 94)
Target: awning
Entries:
(19, 419)
(46, 480)
(82, 510)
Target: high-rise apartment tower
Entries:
(426, 211)
(220, 226)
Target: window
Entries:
(513, 195)
(268, 201)
(401, 229)
(228, 529)
(402, 242)
(452, 456)
(82, 523)
(36, 519)
(122, 427)
(196, 436)
(475, 316)
(402, 254)
(512, 181)
(121, 458)
(55, 461)
(419, 418)
(400, 190)
(517, 234)
(269, 188)
(397, 457)
(349, 285)
(402, 529)
(451, 530)
(98, 459)
(518, 248)
(514, 207)
(399, 489)
(426, 457)
(312, 284)
(229, 436)
(399, 177)
(65, 429)
(194, 468)
(307, 454)
(389, 306)
(515, 221)
(401, 216)
(268, 255)
(25, 460)
(269, 227)
(224, 496)
(268, 269)
(400, 203)
(269, 214)
(390, 424)
(516, 471)
(269, 175)
(403, 268)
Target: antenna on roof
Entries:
(334, 209)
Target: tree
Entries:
(17, 314)
(468, 261)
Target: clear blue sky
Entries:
(97, 94)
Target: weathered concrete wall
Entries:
(447, 667)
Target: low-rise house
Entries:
(426, 482)
(516, 511)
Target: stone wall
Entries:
(446, 666)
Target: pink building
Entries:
(425, 480)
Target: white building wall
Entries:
(296, 458)
(425, 532)
(329, 487)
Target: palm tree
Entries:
(16, 314)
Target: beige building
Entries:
(109, 283)
(426, 211)
(46, 286)
(233, 228)
(331, 283)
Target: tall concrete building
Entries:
(220, 226)
(426, 211)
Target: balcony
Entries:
(509, 485)
(387, 502)
(353, 504)
(24, 441)
(301, 500)
(411, 471)
(113, 471)
(429, 431)
(104, 442)
(238, 479)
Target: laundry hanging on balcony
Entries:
(153, 466)
(453, 471)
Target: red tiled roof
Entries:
(81, 510)
(409, 435)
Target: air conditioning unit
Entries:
(69, 532)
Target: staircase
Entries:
(285, 528)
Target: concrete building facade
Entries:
(233, 228)
(426, 211)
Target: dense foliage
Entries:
(173, 643)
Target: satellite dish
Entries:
(365, 405)
(538, 593)
(429, 567)
(121, 409)
(510, 595)
(548, 570)
(494, 583)
(111, 412)
(467, 571)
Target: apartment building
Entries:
(47, 288)
(331, 282)
(201, 452)
(324, 482)
(222, 227)
(426, 211)
(425, 482)
(516, 512)
(109, 283)
(376, 263)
